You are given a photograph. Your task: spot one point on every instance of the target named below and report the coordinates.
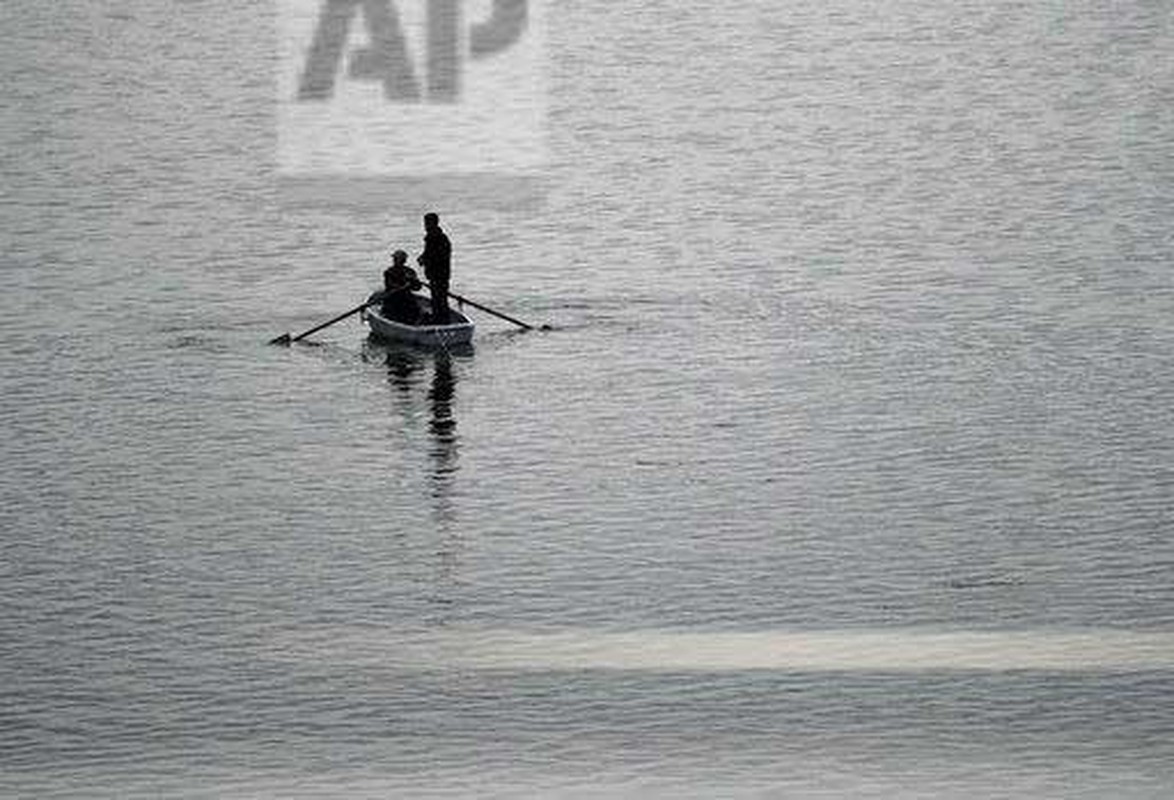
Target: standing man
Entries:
(437, 263)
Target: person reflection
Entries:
(442, 425)
(408, 374)
(402, 365)
(405, 372)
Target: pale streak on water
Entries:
(847, 474)
(888, 650)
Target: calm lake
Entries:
(846, 469)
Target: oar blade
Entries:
(283, 339)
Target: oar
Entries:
(286, 339)
(488, 310)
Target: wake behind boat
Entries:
(458, 330)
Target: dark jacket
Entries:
(437, 257)
(397, 277)
(399, 304)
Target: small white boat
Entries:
(458, 330)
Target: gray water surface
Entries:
(846, 471)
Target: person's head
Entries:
(431, 221)
(399, 258)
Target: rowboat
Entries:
(458, 330)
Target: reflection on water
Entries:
(409, 371)
(402, 364)
(442, 425)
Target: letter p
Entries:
(501, 30)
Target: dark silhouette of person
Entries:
(399, 281)
(437, 262)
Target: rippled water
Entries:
(846, 470)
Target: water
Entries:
(846, 471)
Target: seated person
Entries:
(399, 281)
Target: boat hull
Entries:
(459, 330)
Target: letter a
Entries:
(385, 60)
